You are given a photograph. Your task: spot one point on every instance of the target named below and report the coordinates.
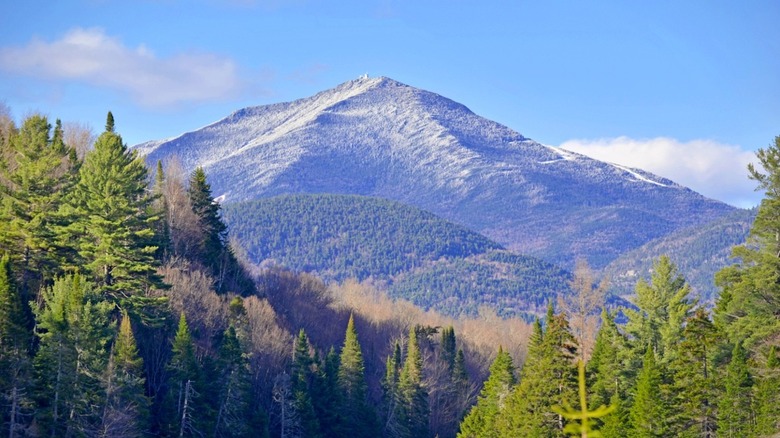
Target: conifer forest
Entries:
(128, 310)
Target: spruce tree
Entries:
(112, 225)
(126, 413)
(648, 414)
(735, 412)
(234, 384)
(694, 384)
(355, 413)
(768, 395)
(480, 421)
(185, 384)
(302, 378)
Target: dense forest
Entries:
(410, 253)
(125, 312)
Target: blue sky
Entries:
(685, 89)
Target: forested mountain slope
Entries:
(417, 255)
(700, 251)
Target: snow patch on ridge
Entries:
(637, 175)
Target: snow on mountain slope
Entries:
(379, 137)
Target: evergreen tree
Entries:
(213, 244)
(112, 226)
(480, 421)
(693, 412)
(735, 412)
(648, 414)
(356, 415)
(234, 389)
(608, 363)
(749, 302)
(34, 181)
(768, 396)
(74, 330)
(126, 412)
(413, 414)
(185, 387)
(326, 396)
(14, 359)
(448, 347)
(394, 426)
(548, 378)
(302, 378)
(663, 308)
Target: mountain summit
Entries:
(379, 137)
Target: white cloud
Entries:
(713, 169)
(91, 56)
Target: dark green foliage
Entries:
(127, 408)
(213, 250)
(15, 378)
(481, 420)
(649, 412)
(609, 363)
(234, 399)
(429, 261)
(735, 413)
(699, 251)
(768, 395)
(548, 378)
(694, 387)
(186, 385)
(74, 332)
(302, 380)
(749, 304)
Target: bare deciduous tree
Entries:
(583, 307)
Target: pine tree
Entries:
(126, 412)
(648, 414)
(356, 415)
(735, 412)
(749, 302)
(213, 244)
(112, 226)
(480, 421)
(448, 346)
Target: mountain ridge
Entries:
(379, 137)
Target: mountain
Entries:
(410, 253)
(699, 252)
(381, 138)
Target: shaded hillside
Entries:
(699, 252)
(420, 257)
(378, 137)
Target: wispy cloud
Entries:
(713, 169)
(93, 57)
